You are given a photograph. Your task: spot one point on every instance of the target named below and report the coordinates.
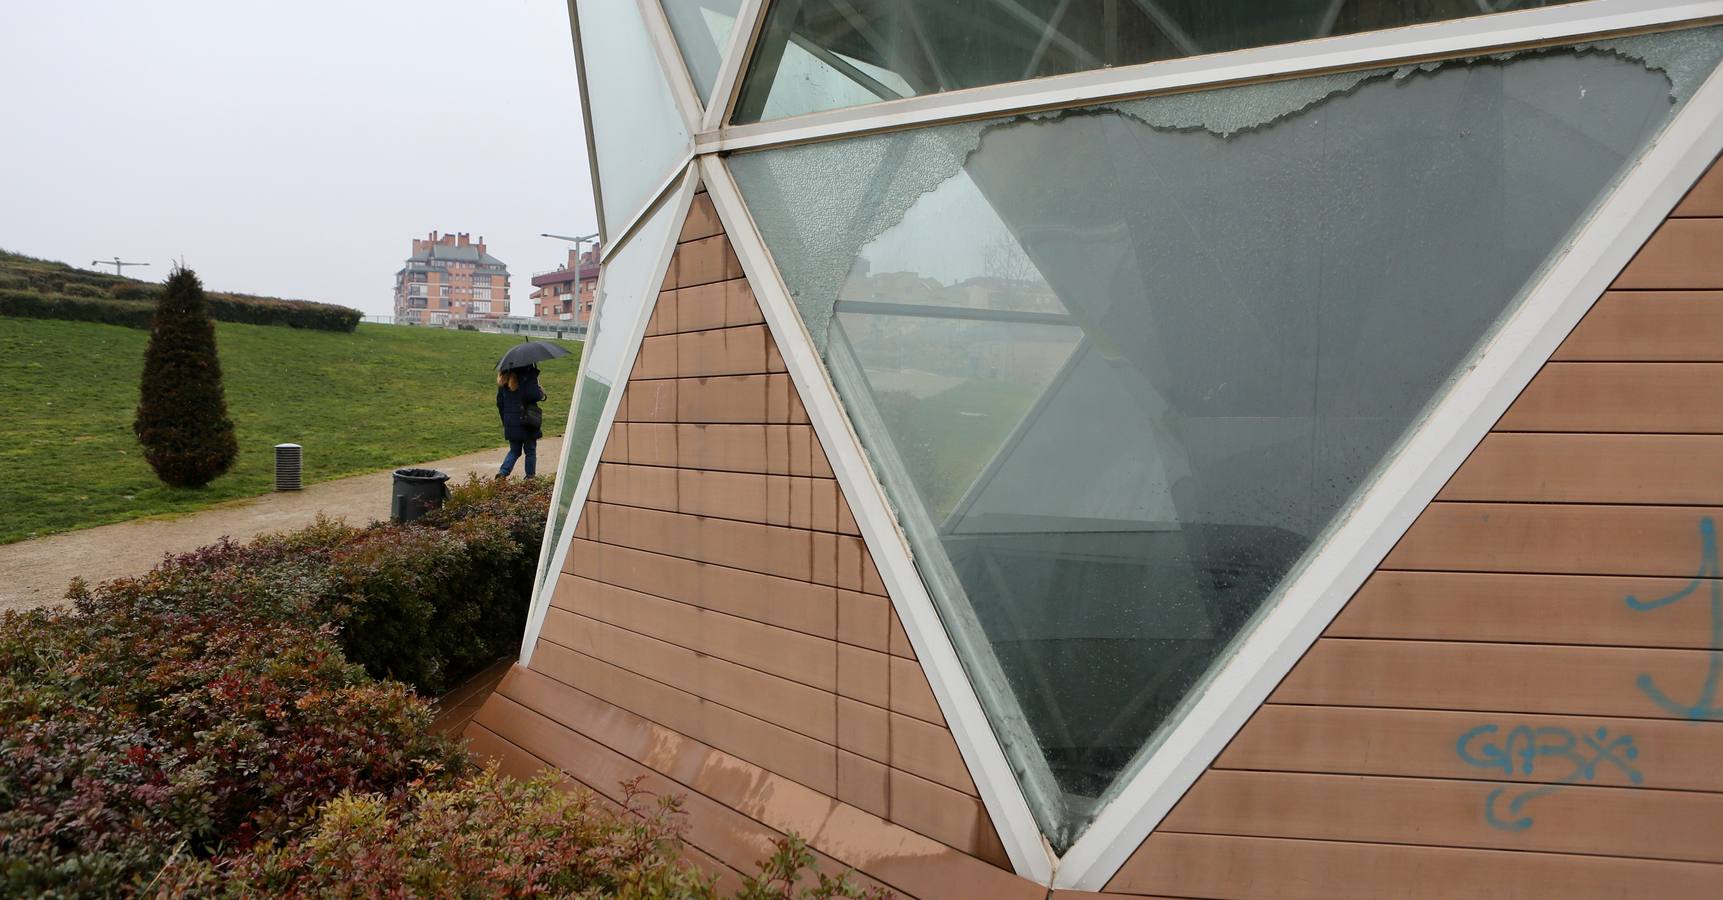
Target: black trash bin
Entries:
(417, 490)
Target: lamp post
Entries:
(578, 240)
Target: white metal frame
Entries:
(1484, 33)
(639, 215)
(1314, 594)
(749, 19)
(683, 198)
(1000, 792)
(682, 89)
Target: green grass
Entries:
(381, 397)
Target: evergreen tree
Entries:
(182, 415)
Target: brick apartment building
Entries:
(566, 295)
(450, 277)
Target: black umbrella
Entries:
(528, 353)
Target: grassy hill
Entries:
(41, 288)
(382, 396)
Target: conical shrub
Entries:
(182, 414)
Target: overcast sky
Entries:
(291, 149)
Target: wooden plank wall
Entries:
(721, 629)
(1522, 700)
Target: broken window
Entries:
(1120, 367)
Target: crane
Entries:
(116, 263)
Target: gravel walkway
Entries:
(35, 573)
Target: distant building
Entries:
(566, 295)
(448, 278)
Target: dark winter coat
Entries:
(510, 405)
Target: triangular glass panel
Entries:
(637, 132)
(1121, 367)
(828, 54)
(702, 29)
(627, 285)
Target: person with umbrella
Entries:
(518, 396)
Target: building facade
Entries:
(451, 278)
(566, 296)
(1150, 450)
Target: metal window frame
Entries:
(1492, 32)
(682, 89)
(639, 215)
(1000, 791)
(681, 194)
(743, 36)
(1458, 421)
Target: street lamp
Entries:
(578, 240)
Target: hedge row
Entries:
(30, 305)
(132, 305)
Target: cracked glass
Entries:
(827, 54)
(1120, 367)
(638, 134)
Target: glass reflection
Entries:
(827, 54)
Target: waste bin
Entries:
(417, 490)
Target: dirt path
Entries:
(35, 573)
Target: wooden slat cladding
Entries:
(734, 805)
(1629, 398)
(1524, 699)
(1592, 468)
(717, 590)
(1682, 255)
(1649, 326)
(1248, 868)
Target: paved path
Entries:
(35, 573)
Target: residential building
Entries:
(566, 295)
(1108, 450)
(451, 278)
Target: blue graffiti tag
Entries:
(1520, 752)
(1705, 706)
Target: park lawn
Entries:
(383, 396)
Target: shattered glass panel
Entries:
(628, 282)
(1121, 367)
(828, 54)
(702, 29)
(637, 132)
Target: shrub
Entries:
(494, 837)
(182, 416)
(428, 602)
(125, 738)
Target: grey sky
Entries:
(291, 149)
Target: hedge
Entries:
(135, 313)
(211, 729)
(220, 699)
(30, 305)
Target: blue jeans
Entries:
(515, 450)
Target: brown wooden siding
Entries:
(1483, 718)
(720, 625)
